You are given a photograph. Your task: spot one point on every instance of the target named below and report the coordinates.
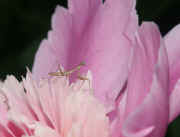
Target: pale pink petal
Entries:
(3, 108)
(23, 107)
(102, 40)
(126, 18)
(15, 94)
(174, 108)
(55, 50)
(52, 107)
(3, 116)
(37, 101)
(142, 133)
(147, 100)
(151, 117)
(172, 42)
(60, 38)
(76, 111)
(49, 62)
(83, 12)
(143, 63)
(43, 131)
(117, 116)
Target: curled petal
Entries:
(147, 100)
(172, 42)
(143, 64)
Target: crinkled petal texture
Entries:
(143, 107)
(51, 108)
(101, 34)
(172, 42)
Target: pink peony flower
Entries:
(128, 94)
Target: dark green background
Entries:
(23, 23)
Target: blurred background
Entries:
(24, 23)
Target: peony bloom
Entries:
(132, 93)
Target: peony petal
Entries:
(43, 131)
(151, 117)
(123, 13)
(3, 108)
(45, 58)
(147, 100)
(145, 58)
(76, 111)
(82, 12)
(59, 85)
(54, 51)
(117, 116)
(34, 99)
(174, 101)
(172, 42)
(141, 133)
(15, 94)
